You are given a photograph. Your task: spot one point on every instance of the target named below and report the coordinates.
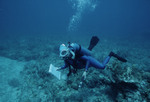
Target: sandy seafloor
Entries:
(24, 64)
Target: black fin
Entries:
(121, 59)
(117, 56)
(93, 42)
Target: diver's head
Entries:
(64, 52)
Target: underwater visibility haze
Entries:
(87, 16)
(31, 32)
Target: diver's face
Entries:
(65, 55)
(68, 56)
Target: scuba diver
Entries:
(79, 57)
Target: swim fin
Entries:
(93, 42)
(118, 57)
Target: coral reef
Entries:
(118, 82)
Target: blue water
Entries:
(90, 16)
(31, 32)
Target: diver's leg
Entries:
(106, 60)
(95, 63)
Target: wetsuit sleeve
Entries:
(65, 66)
(87, 65)
(86, 59)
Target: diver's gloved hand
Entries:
(58, 69)
(84, 75)
(82, 79)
